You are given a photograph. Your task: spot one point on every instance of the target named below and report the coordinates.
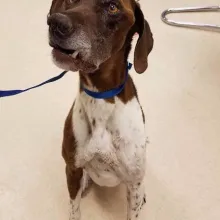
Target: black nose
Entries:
(60, 25)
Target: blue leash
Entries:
(98, 95)
(6, 93)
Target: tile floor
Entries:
(180, 94)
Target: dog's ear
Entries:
(145, 42)
(56, 6)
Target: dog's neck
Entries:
(110, 75)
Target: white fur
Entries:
(117, 142)
(114, 151)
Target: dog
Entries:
(104, 140)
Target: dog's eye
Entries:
(113, 9)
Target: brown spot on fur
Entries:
(93, 122)
(73, 174)
(73, 181)
(144, 200)
(136, 94)
(69, 142)
(100, 160)
(90, 130)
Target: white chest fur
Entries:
(110, 139)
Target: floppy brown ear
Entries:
(145, 42)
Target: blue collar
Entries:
(97, 95)
(109, 93)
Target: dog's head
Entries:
(86, 33)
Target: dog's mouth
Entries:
(71, 59)
(69, 52)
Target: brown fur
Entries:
(73, 174)
(110, 75)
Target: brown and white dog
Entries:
(104, 139)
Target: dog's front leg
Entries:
(76, 185)
(136, 199)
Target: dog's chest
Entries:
(98, 112)
(110, 137)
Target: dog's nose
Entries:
(60, 25)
